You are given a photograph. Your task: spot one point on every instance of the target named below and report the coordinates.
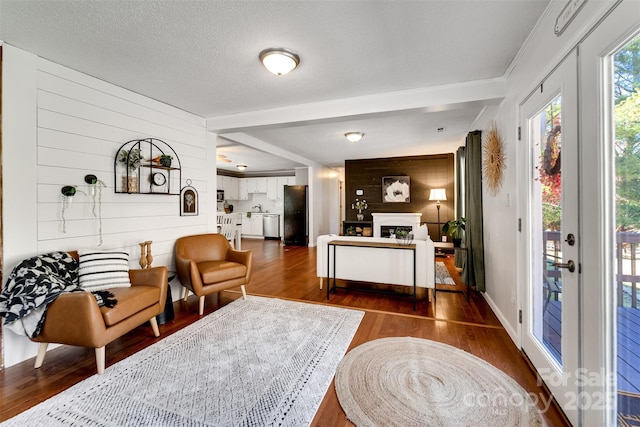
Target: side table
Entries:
(448, 248)
(167, 315)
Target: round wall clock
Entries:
(494, 159)
(158, 178)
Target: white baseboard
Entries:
(503, 320)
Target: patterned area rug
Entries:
(416, 382)
(442, 274)
(258, 362)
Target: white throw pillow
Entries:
(421, 233)
(98, 270)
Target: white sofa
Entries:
(391, 266)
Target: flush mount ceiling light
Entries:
(279, 61)
(241, 167)
(354, 136)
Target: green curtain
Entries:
(473, 273)
(460, 257)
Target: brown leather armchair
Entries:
(207, 263)
(75, 319)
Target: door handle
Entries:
(571, 266)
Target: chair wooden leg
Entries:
(244, 292)
(100, 359)
(201, 306)
(154, 326)
(186, 294)
(42, 351)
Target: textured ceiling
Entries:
(202, 57)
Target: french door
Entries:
(550, 233)
(610, 137)
(580, 210)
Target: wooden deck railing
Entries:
(627, 257)
(627, 245)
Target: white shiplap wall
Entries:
(81, 124)
(78, 126)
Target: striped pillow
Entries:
(103, 270)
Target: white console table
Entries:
(371, 245)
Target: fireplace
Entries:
(388, 230)
(384, 222)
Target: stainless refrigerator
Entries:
(295, 215)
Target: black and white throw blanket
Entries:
(33, 285)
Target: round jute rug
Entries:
(416, 382)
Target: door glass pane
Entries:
(626, 95)
(546, 280)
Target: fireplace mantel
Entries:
(395, 219)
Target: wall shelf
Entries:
(145, 174)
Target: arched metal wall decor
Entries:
(147, 166)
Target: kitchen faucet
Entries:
(259, 207)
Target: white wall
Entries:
(537, 58)
(59, 125)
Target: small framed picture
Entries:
(396, 189)
(188, 200)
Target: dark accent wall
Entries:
(425, 172)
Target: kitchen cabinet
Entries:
(252, 226)
(243, 190)
(230, 186)
(256, 185)
(272, 188)
(282, 181)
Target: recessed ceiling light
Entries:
(354, 136)
(279, 61)
(241, 167)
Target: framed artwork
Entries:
(396, 189)
(188, 200)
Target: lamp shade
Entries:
(279, 61)
(437, 194)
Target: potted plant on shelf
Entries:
(131, 160)
(454, 229)
(165, 160)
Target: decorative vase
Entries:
(360, 217)
(130, 182)
(143, 255)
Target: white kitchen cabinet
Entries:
(261, 185)
(230, 187)
(234, 187)
(282, 181)
(252, 226)
(243, 189)
(251, 184)
(272, 188)
(256, 185)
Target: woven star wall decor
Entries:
(493, 159)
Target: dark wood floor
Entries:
(289, 272)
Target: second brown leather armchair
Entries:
(207, 263)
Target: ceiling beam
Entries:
(435, 98)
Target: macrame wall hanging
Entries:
(493, 159)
